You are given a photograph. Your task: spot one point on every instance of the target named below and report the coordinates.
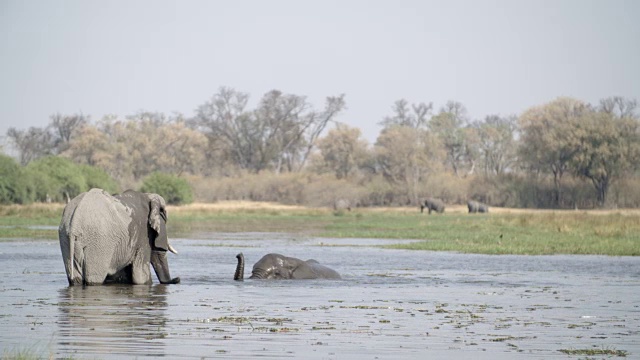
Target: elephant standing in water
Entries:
(432, 204)
(106, 238)
(280, 267)
(475, 206)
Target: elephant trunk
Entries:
(161, 267)
(239, 275)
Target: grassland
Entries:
(503, 231)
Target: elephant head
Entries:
(276, 266)
(106, 238)
(158, 238)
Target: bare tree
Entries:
(451, 126)
(64, 127)
(497, 142)
(619, 106)
(280, 132)
(31, 144)
(403, 116)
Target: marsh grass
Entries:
(503, 231)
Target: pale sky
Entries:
(495, 57)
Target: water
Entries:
(390, 304)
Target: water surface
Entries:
(390, 304)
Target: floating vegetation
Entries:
(323, 328)
(594, 352)
(507, 338)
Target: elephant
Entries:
(280, 267)
(475, 206)
(432, 204)
(113, 239)
(342, 204)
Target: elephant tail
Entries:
(239, 275)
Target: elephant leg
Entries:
(76, 268)
(94, 274)
(94, 268)
(140, 271)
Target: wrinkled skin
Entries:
(475, 206)
(432, 204)
(280, 267)
(115, 239)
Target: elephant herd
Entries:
(117, 238)
(108, 238)
(437, 205)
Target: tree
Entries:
(497, 143)
(63, 128)
(416, 117)
(619, 106)
(91, 147)
(548, 138)
(406, 157)
(279, 133)
(607, 146)
(451, 127)
(31, 144)
(182, 150)
(342, 150)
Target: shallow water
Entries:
(390, 304)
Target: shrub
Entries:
(55, 178)
(175, 190)
(13, 185)
(98, 178)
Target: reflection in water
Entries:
(116, 319)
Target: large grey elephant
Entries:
(107, 238)
(476, 206)
(279, 267)
(434, 204)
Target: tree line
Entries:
(562, 154)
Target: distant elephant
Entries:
(342, 204)
(280, 267)
(475, 206)
(106, 238)
(432, 204)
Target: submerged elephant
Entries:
(432, 204)
(106, 238)
(475, 206)
(280, 267)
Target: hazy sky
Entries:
(496, 57)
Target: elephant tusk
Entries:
(172, 249)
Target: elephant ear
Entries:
(158, 215)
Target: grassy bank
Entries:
(503, 231)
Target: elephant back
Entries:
(96, 213)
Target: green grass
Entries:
(17, 221)
(528, 233)
(533, 233)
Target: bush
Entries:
(56, 179)
(98, 178)
(50, 178)
(175, 190)
(13, 185)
